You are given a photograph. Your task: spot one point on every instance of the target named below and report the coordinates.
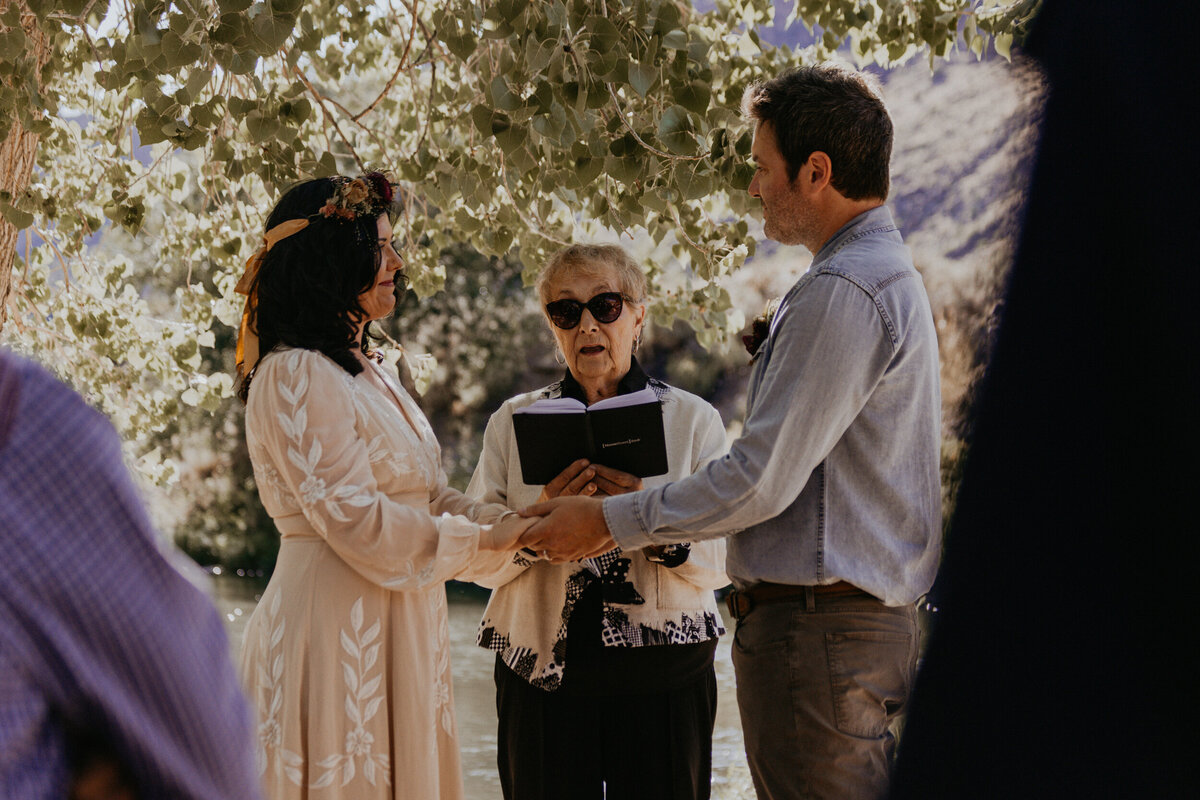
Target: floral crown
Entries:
(370, 194)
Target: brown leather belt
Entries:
(742, 601)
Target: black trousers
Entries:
(630, 746)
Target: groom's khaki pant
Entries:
(819, 683)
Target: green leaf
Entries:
(272, 31)
(481, 115)
(602, 34)
(693, 182)
(642, 77)
(261, 126)
(466, 221)
(626, 170)
(495, 26)
(172, 49)
(520, 159)
(510, 137)
(297, 110)
(587, 169)
(230, 29)
(1003, 43)
(328, 165)
(197, 81)
(502, 96)
(694, 96)
(538, 56)
(675, 131)
(511, 9)
(743, 173)
(676, 40)
(461, 43)
(12, 44)
(667, 19)
(624, 146)
(551, 125)
(16, 217)
(149, 126)
(572, 90)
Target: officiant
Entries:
(604, 666)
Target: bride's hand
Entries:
(503, 535)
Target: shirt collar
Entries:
(633, 381)
(875, 220)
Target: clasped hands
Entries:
(570, 524)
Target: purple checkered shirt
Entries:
(100, 636)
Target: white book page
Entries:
(555, 405)
(569, 405)
(638, 398)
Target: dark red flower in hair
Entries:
(381, 185)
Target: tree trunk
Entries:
(17, 154)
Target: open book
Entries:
(623, 432)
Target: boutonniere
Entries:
(760, 328)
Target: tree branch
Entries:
(412, 35)
(328, 114)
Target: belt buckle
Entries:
(740, 604)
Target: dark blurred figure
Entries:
(1063, 661)
(115, 676)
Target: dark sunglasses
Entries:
(605, 307)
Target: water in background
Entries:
(474, 693)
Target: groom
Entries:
(830, 497)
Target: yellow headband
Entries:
(247, 345)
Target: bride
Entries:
(346, 656)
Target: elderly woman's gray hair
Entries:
(594, 259)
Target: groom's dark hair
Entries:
(832, 109)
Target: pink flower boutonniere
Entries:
(760, 328)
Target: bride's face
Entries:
(379, 300)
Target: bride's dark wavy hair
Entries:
(308, 285)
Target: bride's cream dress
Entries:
(346, 657)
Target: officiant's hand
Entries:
(571, 528)
(576, 479)
(590, 480)
(611, 482)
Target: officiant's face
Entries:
(597, 353)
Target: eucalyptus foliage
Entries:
(167, 129)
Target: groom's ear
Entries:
(817, 171)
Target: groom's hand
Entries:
(571, 528)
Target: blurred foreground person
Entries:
(347, 654)
(114, 668)
(1060, 665)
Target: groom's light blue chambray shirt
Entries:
(836, 473)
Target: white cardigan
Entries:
(526, 617)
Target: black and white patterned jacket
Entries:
(647, 603)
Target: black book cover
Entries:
(626, 437)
